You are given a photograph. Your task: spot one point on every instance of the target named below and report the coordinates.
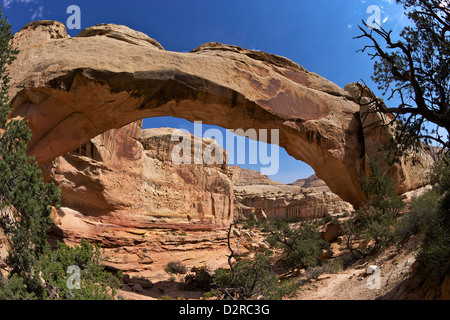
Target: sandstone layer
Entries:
(128, 175)
(260, 196)
(122, 190)
(73, 89)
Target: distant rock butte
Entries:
(73, 89)
(310, 182)
(246, 177)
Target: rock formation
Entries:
(122, 190)
(311, 182)
(305, 199)
(73, 89)
(128, 174)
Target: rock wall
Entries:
(305, 199)
(128, 174)
(122, 190)
(199, 192)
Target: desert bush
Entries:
(96, 283)
(175, 268)
(376, 221)
(434, 254)
(301, 245)
(327, 218)
(200, 280)
(313, 273)
(14, 288)
(253, 279)
(328, 267)
(381, 190)
(332, 266)
(415, 221)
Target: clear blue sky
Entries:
(316, 34)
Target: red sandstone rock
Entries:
(73, 89)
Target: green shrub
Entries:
(328, 267)
(416, 220)
(377, 220)
(253, 279)
(313, 272)
(14, 288)
(95, 282)
(210, 294)
(434, 254)
(332, 266)
(327, 218)
(381, 190)
(200, 280)
(301, 245)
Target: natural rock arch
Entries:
(72, 89)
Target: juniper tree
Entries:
(415, 69)
(25, 199)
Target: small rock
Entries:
(323, 277)
(263, 245)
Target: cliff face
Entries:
(305, 199)
(128, 174)
(198, 192)
(122, 190)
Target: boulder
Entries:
(332, 232)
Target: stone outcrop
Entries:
(73, 89)
(311, 182)
(274, 200)
(128, 174)
(245, 177)
(122, 190)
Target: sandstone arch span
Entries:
(72, 89)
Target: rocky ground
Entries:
(352, 283)
(356, 283)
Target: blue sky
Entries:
(316, 34)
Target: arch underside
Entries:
(64, 119)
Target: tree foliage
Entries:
(253, 279)
(377, 219)
(301, 245)
(35, 270)
(25, 200)
(95, 283)
(415, 68)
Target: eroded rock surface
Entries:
(305, 199)
(122, 190)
